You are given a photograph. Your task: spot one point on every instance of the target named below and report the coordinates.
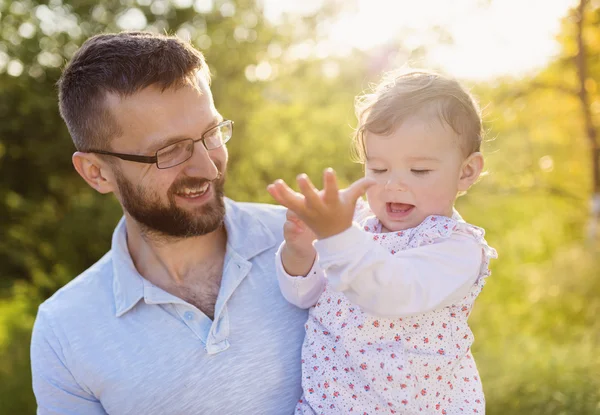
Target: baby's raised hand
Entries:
(298, 237)
(298, 253)
(328, 212)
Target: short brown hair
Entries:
(123, 64)
(403, 94)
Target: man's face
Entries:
(182, 201)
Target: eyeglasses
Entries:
(180, 151)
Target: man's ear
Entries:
(470, 171)
(94, 171)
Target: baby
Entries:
(390, 284)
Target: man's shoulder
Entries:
(264, 208)
(81, 294)
(270, 215)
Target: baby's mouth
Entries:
(399, 207)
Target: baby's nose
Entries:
(396, 184)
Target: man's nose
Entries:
(201, 163)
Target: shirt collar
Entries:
(247, 237)
(373, 225)
(128, 284)
(246, 234)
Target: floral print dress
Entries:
(354, 362)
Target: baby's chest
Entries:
(345, 320)
(394, 241)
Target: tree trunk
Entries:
(592, 134)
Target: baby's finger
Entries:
(272, 189)
(308, 190)
(330, 186)
(357, 189)
(298, 223)
(283, 194)
(290, 227)
(291, 215)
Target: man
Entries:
(183, 315)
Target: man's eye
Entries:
(174, 149)
(212, 134)
(420, 172)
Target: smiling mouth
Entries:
(194, 192)
(399, 207)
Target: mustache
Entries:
(191, 182)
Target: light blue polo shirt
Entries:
(112, 342)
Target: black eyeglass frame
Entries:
(154, 159)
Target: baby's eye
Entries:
(378, 171)
(419, 172)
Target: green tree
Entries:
(535, 323)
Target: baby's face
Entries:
(418, 171)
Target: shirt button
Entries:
(188, 315)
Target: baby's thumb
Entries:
(358, 188)
(291, 215)
(292, 228)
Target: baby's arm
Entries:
(300, 279)
(409, 282)
(302, 291)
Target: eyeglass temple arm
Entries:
(129, 157)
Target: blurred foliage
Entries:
(536, 322)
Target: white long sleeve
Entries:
(301, 291)
(409, 282)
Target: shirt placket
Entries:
(214, 334)
(236, 268)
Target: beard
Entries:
(159, 220)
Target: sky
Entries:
(491, 38)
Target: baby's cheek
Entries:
(375, 199)
(372, 194)
(440, 201)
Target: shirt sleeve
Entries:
(56, 390)
(302, 291)
(409, 282)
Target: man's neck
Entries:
(173, 261)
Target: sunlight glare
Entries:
(488, 39)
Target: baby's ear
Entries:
(470, 171)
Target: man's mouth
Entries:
(195, 191)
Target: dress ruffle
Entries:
(436, 227)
